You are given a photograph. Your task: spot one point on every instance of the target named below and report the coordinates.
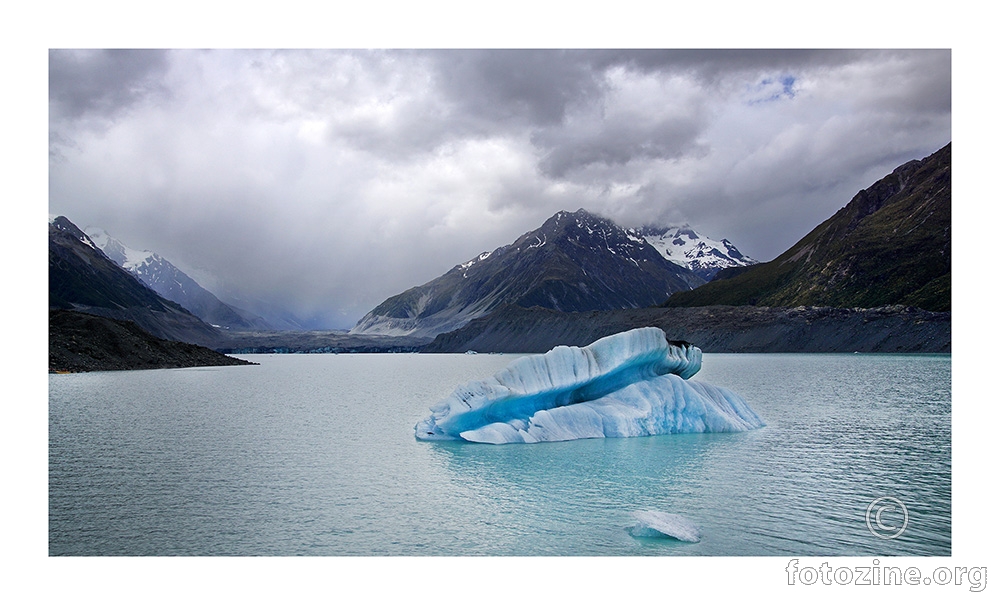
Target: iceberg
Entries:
(656, 524)
(629, 384)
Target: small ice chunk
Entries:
(657, 524)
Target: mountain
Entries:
(83, 278)
(688, 248)
(574, 262)
(173, 284)
(891, 244)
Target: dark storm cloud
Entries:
(534, 87)
(711, 64)
(616, 143)
(543, 90)
(539, 85)
(89, 89)
(102, 82)
(565, 100)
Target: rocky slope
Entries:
(79, 342)
(714, 329)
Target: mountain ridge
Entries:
(575, 261)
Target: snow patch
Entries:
(464, 267)
(687, 248)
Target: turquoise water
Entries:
(315, 455)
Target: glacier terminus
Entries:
(631, 384)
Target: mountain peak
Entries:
(580, 218)
(61, 223)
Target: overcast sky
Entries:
(326, 181)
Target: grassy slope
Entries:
(890, 245)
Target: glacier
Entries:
(631, 384)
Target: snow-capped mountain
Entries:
(82, 278)
(575, 261)
(173, 284)
(688, 248)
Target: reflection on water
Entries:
(582, 490)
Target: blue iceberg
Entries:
(626, 385)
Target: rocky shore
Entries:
(715, 329)
(79, 342)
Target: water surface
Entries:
(315, 455)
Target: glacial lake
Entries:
(315, 455)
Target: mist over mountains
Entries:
(173, 284)
(888, 249)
